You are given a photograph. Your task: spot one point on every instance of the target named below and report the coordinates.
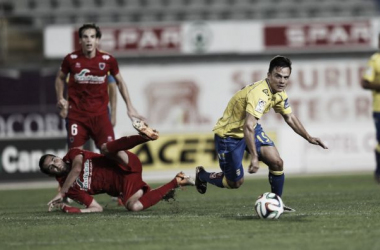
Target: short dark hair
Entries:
(87, 26)
(41, 163)
(280, 61)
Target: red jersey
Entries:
(87, 85)
(99, 175)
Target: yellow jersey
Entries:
(256, 99)
(372, 74)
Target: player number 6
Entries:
(74, 129)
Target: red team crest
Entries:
(102, 65)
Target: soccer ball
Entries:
(269, 206)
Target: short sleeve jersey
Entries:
(98, 175)
(256, 99)
(372, 74)
(87, 83)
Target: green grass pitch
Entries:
(333, 212)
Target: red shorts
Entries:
(131, 184)
(80, 130)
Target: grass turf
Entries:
(333, 212)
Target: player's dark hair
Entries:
(87, 26)
(41, 163)
(280, 61)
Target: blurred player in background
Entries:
(371, 81)
(116, 172)
(238, 130)
(86, 108)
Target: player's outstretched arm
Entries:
(131, 111)
(297, 126)
(93, 207)
(71, 177)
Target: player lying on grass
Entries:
(116, 172)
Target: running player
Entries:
(238, 130)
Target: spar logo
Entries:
(87, 173)
(83, 78)
(319, 34)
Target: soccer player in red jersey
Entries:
(116, 172)
(86, 108)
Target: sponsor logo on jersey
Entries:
(83, 78)
(102, 65)
(286, 103)
(106, 57)
(74, 56)
(77, 65)
(266, 92)
(87, 173)
(260, 107)
(238, 172)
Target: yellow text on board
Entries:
(179, 151)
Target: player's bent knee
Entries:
(277, 165)
(134, 206)
(235, 185)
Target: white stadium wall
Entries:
(218, 37)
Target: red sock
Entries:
(125, 143)
(154, 196)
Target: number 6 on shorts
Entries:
(74, 129)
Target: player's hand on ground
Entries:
(317, 141)
(254, 165)
(55, 206)
(57, 199)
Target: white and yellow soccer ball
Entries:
(269, 206)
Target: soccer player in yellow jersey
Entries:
(371, 81)
(238, 130)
